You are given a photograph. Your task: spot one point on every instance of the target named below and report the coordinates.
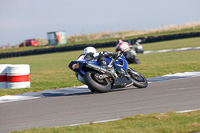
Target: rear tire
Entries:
(138, 79)
(101, 86)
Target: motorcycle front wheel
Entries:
(95, 84)
(138, 79)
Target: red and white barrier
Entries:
(14, 76)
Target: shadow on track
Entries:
(84, 93)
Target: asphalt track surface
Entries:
(163, 96)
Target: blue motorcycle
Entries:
(102, 80)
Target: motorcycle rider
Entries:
(122, 46)
(91, 54)
(127, 51)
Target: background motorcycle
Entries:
(102, 80)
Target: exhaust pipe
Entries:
(96, 67)
(101, 69)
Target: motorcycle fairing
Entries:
(121, 63)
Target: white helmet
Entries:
(90, 50)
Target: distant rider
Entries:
(122, 46)
(127, 51)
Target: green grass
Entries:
(50, 71)
(169, 122)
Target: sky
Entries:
(25, 19)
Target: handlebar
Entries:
(116, 56)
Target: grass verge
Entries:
(50, 71)
(169, 122)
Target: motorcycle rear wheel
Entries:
(101, 86)
(139, 80)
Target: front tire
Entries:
(138, 79)
(101, 86)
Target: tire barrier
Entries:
(14, 76)
(149, 39)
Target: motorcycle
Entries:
(102, 80)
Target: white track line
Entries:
(46, 93)
(174, 76)
(94, 122)
(172, 50)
